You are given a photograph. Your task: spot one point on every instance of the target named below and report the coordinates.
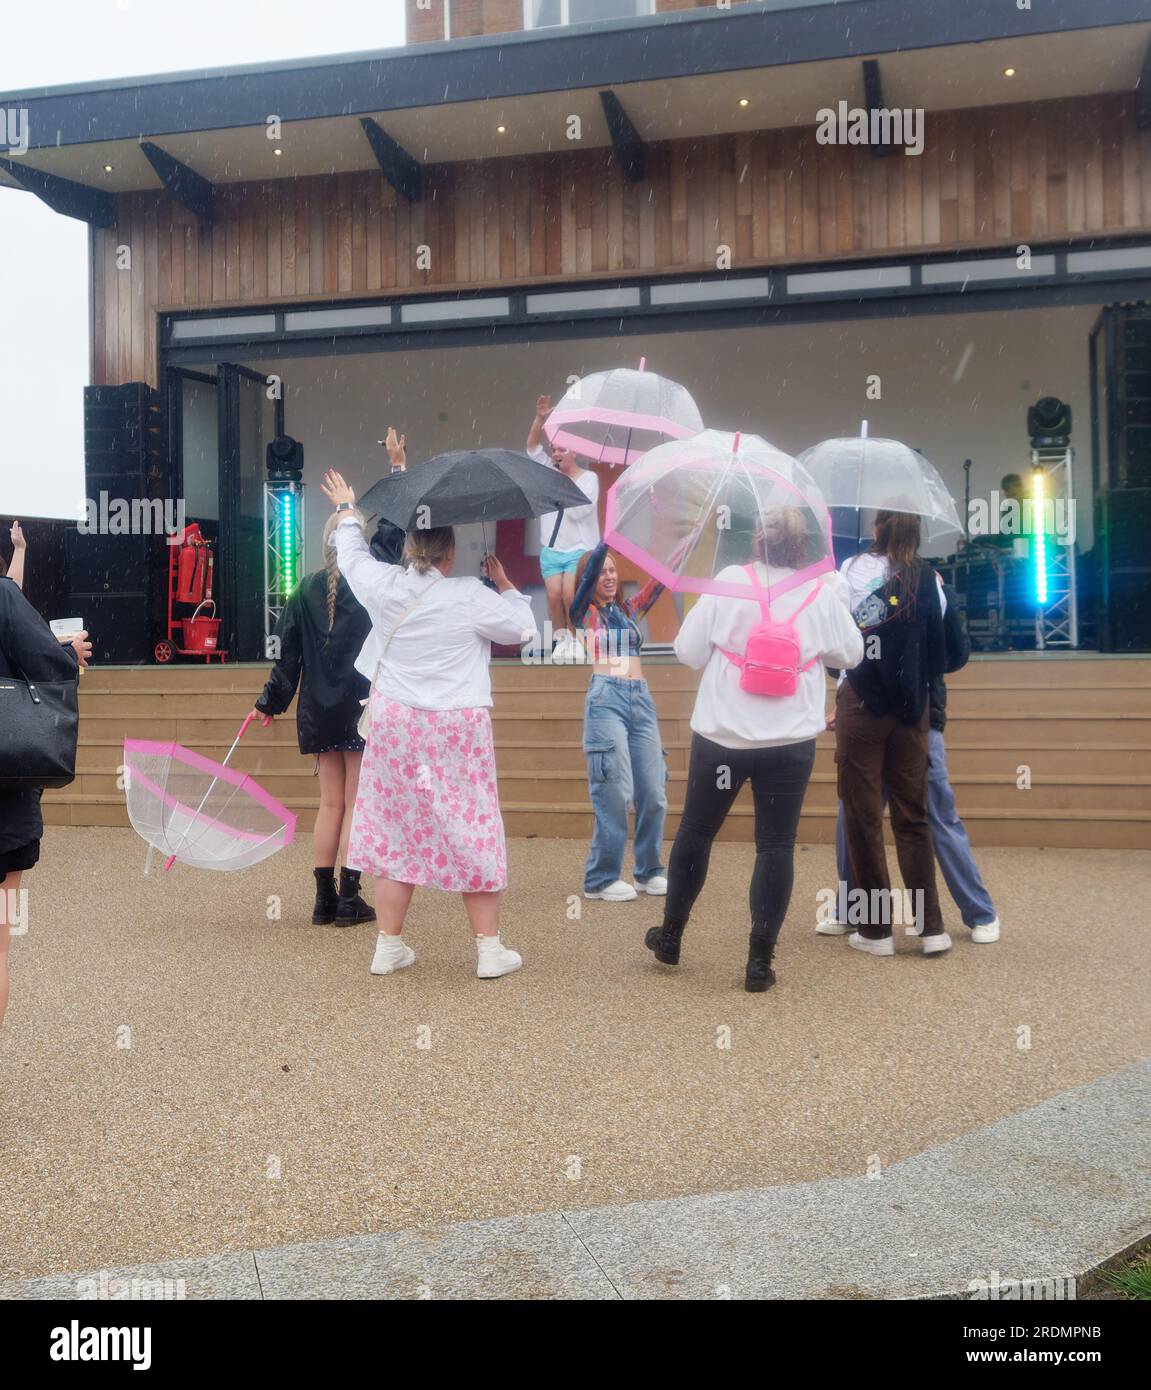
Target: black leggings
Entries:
(779, 778)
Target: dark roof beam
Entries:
(873, 100)
(1143, 92)
(629, 147)
(185, 186)
(65, 196)
(398, 167)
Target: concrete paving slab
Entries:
(214, 1277)
(1048, 1193)
(534, 1257)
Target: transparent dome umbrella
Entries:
(860, 476)
(616, 417)
(691, 508)
(205, 814)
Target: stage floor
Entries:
(274, 1092)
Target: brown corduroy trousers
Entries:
(872, 752)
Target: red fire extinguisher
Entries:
(192, 566)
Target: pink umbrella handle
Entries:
(169, 862)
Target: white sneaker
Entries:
(885, 946)
(392, 953)
(832, 928)
(565, 649)
(933, 945)
(987, 931)
(617, 892)
(656, 886)
(494, 959)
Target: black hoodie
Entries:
(912, 649)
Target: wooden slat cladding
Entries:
(987, 177)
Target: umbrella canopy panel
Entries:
(470, 485)
(691, 509)
(203, 813)
(859, 476)
(616, 417)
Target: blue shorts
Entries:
(558, 561)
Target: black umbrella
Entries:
(470, 485)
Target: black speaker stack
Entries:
(115, 580)
(1122, 473)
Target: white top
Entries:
(866, 573)
(579, 530)
(732, 717)
(439, 656)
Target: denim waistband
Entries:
(623, 682)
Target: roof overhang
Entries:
(442, 102)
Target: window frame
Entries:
(648, 9)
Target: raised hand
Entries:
(17, 537)
(396, 448)
(336, 490)
(543, 407)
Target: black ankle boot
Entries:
(664, 941)
(324, 912)
(760, 976)
(351, 908)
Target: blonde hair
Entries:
(331, 568)
(783, 538)
(424, 550)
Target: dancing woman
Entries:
(621, 739)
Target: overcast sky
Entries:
(43, 257)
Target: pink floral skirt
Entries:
(428, 810)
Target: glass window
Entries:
(539, 14)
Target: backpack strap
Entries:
(764, 604)
(815, 588)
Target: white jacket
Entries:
(731, 717)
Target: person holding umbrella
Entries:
(740, 734)
(882, 723)
(427, 810)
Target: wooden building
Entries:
(429, 236)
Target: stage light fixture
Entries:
(1049, 423)
(285, 460)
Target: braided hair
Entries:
(331, 567)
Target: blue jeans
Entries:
(949, 838)
(625, 763)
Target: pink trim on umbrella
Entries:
(230, 775)
(683, 584)
(624, 419)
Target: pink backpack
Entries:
(770, 661)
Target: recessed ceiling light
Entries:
(743, 101)
(501, 130)
(277, 152)
(1008, 72)
(107, 168)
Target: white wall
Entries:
(955, 386)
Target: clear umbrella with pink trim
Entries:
(690, 511)
(616, 417)
(207, 815)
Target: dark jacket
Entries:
(958, 653)
(912, 649)
(28, 648)
(322, 664)
(388, 543)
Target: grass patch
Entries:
(1134, 1279)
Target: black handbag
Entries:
(39, 726)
